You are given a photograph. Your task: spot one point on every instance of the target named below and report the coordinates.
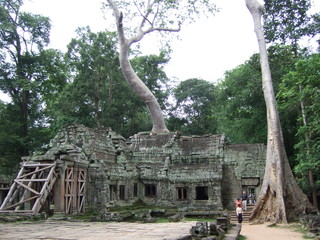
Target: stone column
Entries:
(75, 190)
(59, 188)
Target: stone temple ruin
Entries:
(99, 169)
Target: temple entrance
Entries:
(75, 182)
(250, 185)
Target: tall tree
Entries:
(241, 104)
(302, 85)
(11, 144)
(160, 16)
(280, 198)
(150, 70)
(195, 101)
(93, 60)
(98, 94)
(27, 72)
(287, 22)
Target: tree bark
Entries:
(132, 78)
(280, 199)
(24, 112)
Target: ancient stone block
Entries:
(168, 170)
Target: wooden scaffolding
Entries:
(30, 189)
(74, 196)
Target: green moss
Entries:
(137, 205)
(162, 220)
(241, 237)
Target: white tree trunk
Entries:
(280, 198)
(132, 78)
(142, 91)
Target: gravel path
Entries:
(65, 230)
(263, 232)
(93, 230)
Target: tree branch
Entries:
(141, 33)
(119, 21)
(144, 17)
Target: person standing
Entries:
(239, 213)
(237, 202)
(244, 201)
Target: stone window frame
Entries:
(135, 189)
(112, 192)
(201, 195)
(122, 192)
(150, 190)
(181, 193)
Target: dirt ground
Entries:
(263, 232)
(64, 230)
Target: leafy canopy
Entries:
(159, 15)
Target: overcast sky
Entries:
(206, 50)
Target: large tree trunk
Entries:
(24, 112)
(132, 78)
(280, 199)
(142, 90)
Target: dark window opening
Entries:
(181, 193)
(112, 191)
(150, 190)
(122, 192)
(135, 190)
(202, 193)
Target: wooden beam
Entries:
(37, 170)
(26, 187)
(19, 203)
(11, 191)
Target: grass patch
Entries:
(166, 220)
(137, 205)
(188, 219)
(300, 228)
(241, 237)
(162, 220)
(296, 228)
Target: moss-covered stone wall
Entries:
(166, 170)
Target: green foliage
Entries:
(93, 61)
(241, 109)
(302, 86)
(31, 76)
(241, 237)
(162, 220)
(11, 145)
(138, 205)
(98, 94)
(282, 60)
(192, 113)
(150, 70)
(286, 20)
(161, 15)
(314, 28)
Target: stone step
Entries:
(245, 215)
